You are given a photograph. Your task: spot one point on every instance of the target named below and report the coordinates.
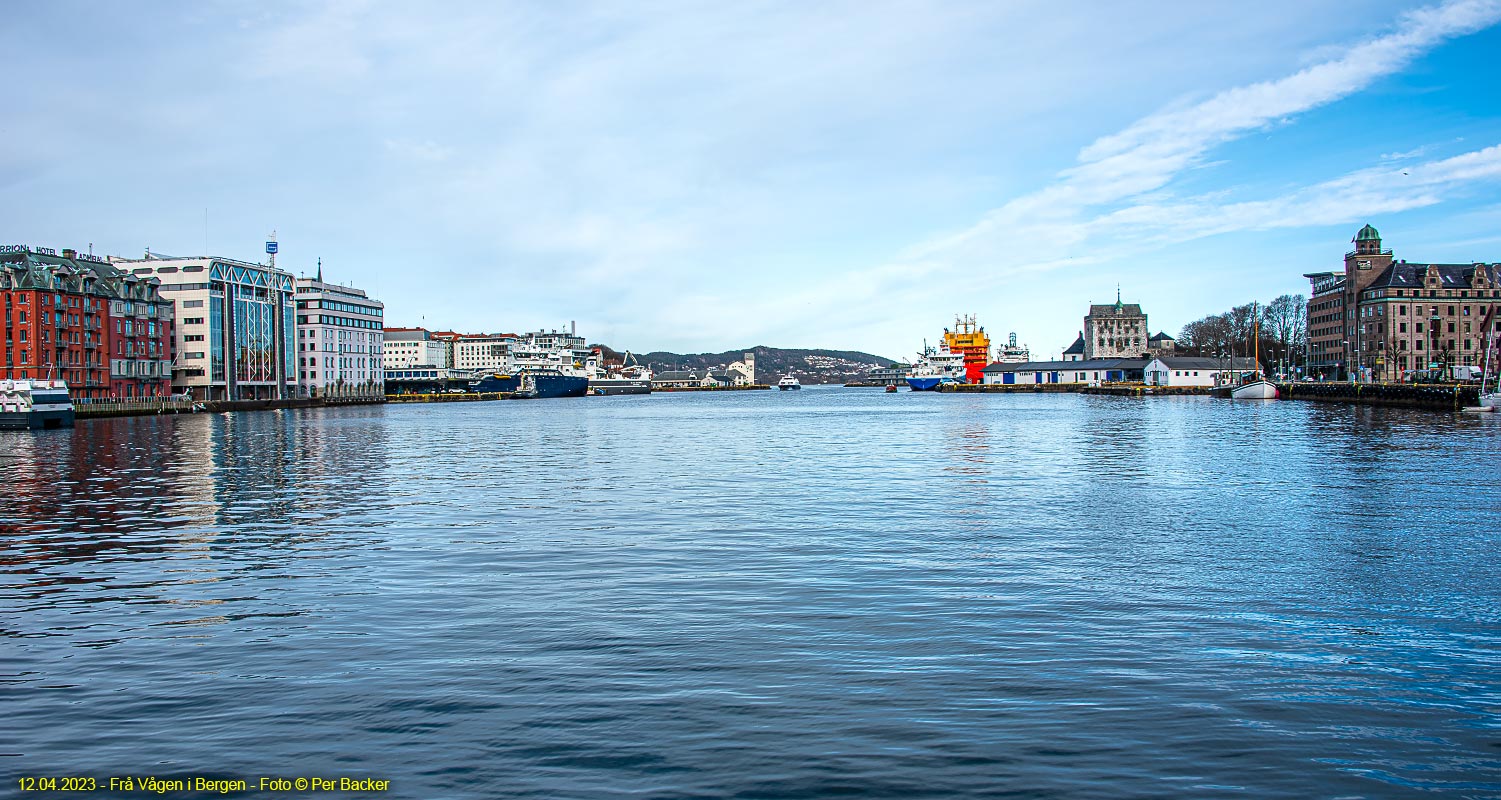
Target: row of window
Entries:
(335, 305)
(344, 322)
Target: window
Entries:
(193, 321)
(192, 304)
(196, 337)
(192, 355)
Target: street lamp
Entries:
(1348, 360)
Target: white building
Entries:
(483, 351)
(1185, 371)
(1094, 371)
(412, 347)
(340, 341)
(235, 326)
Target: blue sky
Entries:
(708, 176)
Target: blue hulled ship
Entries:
(539, 383)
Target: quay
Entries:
(100, 409)
(1114, 389)
(449, 397)
(746, 387)
(1434, 397)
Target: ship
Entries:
(33, 404)
(622, 378)
(1012, 353)
(935, 368)
(969, 340)
(532, 382)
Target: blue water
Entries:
(826, 593)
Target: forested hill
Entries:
(810, 366)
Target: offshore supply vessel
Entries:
(970, 340)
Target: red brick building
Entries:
(1381, 317)
(76, 317)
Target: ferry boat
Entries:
(788, 382)
(31, 404)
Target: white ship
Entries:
(34, 404)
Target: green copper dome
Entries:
(1367, 234)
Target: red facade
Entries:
(78, 319)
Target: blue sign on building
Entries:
(271, 247)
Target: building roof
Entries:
(1161, 336)
(1057, 366)
(1115, 310)
(1367, 234)
(1077, 346)
(1194, 362)
(1402, 275)
(678, 375)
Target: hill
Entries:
(810, 366)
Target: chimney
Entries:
(69, 252)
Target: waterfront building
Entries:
(235, 322)
(1188, 371)
(1381, 317)
(1118, 330)
(340, 341)
(78, 318)
(412, 347)
(489, 352)
(678, 379)
(425, 379)
(1090, 371)
(743, 372)
(1161, 345)
(1075, 351)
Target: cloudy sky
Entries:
(699, 176)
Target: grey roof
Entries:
(1402, 275)
(1160, 337)
(1053, 366)
(1108, 310)
(1194, 362)
(1077, 346)
(681, 375)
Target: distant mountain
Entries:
(810, 366)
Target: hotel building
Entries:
(340, 341)
(77, 318)
(236, 326)
(1381, 317)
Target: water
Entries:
(761, 594)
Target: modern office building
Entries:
(340, 341)
(482, 351)
(235, 323)
(78, 318)
(1381, 317)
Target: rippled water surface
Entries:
(835, 592)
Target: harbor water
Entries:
(826, 593)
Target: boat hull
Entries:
(1491, 401)
(924, 384)
(611, 386)
(789, 387)
(1260, 390)
(36, 420)
(543, 386)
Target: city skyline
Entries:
(702, 180)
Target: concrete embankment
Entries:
(708, 388)
(1435, 397)
(466, 397)
(1115, 389)
(139, 408)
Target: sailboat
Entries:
(1491, 401)
(1258, 389)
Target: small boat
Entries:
(789, 381)
(890, 389)
(34, 404)
(1253, 385)
(1255, 390)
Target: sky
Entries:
(701, 177)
